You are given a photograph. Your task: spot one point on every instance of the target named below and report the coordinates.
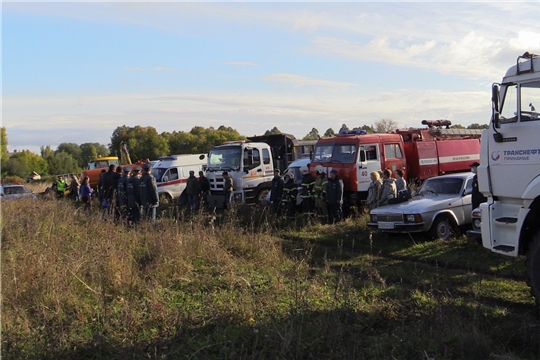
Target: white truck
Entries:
(251, 164)
(171, 173)
(509, 172)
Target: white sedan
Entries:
(442, 204)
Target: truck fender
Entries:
(532, 190)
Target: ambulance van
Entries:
(171, 173)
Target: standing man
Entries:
(148, 192)
(122, 195)
(290, 191)
(74, 187)
(276, 193)
(132, 189)
(306, 189)
(319, 193)
(335, 197)
(476, 197)
(192, 190)
(228, 187)
(204, 188)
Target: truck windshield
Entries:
(530, 102)
(225, 158)
(339, 153)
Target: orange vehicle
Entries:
(96, 166)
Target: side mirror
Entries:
(467, 192)
(495, 105)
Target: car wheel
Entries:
(165, 199)
(441, 228)
(533, 267)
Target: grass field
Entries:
(242, 285)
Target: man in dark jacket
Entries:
(148, 192)
(132, 190)
(476, 196)
(334, 196)
(276, 192)
(290, 191)
(306, 190)
(192, 190)
(204, 188)
(122, 196)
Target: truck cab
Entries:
(251, 164)
(509, 171)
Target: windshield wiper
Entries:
(430, 190)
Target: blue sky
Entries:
(73, 72)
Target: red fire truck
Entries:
(421, 153)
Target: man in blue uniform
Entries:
(148, 192)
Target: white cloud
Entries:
(303, 80)
(240, 63)
(162, 68)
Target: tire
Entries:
(261, 195)
(533, 267)
(165, 199)
(441, 228)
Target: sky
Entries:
(74, 71)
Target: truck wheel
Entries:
(533, 267)
(165, 199)
(441, 228)
(261, 195)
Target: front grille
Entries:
(390, 217)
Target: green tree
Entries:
(478, 126)
(63, 163)
(385, 125)
(199, 139)
(457, 126)
(4, 143)
(90, 151)
(344, 127)
(369, 129)
(24, 162)
(329, 133)
(312, 135)
(74, 150)
(142, 142)
(274, 131)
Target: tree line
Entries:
(147, 143)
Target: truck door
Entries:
(368, 161)
(394, 158)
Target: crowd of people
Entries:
(129, 193)
(384, 189)
(322, 196)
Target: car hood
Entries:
(419, 204)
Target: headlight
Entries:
(476, 224)
(374, 217)
(413, 218)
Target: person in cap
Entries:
(276, 192)
(476, 196)
(334, 197)
(319, 193)
(228, 188)
(108, 186)
(148, 191)
(192, 190)
(122, 196)
(132, 190)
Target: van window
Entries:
(393, 151)
(256, 158)
(173, 174)
(266, 156)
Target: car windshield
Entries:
(158, 173)
(449, 185)
(339, 153)
(225, 158)
(12, 190)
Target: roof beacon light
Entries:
(353, 132)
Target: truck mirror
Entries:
(495, 105)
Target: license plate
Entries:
(386, 225)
